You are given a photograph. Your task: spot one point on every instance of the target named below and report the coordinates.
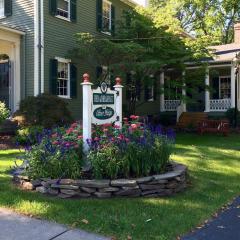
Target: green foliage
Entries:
(28, 134)
(45, 110)
(136, 160)
(205, 19)
(47, 164)
(4, 112)
(57, 153)
(106, 163)
(230, 115)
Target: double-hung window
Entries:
(63, 9)
(2, 11)
(106, 16)
(225, 87)
(63, 78)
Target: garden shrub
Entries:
(230, 115)
(4, 112)
(135, 150)
(28, 135)
(44, 110)
(57, 154)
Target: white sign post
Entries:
(100, 106)
(118, 88)
(87, 111)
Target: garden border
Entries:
(165, 184)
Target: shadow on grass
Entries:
(214, 181)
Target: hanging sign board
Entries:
(103, 105)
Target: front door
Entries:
(5, 85)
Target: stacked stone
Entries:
(152, 186)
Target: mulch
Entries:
(7, 142)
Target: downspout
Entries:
(36, 47)
(42, 45)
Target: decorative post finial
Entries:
(86, 78)
(118, 81)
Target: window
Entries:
(106, 17)
(2, 12)
(63, 8)
(171, 89)
(225, 87)
(63, 78)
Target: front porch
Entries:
(215, 91)
(10, 67)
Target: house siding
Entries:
(23, 19)
(59, 36)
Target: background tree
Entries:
(139, 51)
(203, 18)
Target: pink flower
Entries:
(80, 137)
(70, 130)
(105, 130)
(127, 140)
(134, 126)
(54, 135)
(76, 146)
(55, 143)
(116, 126)
(74, 125)
(96, 139)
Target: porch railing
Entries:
(220, 104)
(171, 105)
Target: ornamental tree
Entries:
(138, 51)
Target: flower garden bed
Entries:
(135, 157)
(166, 184)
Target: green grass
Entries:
(214, 167)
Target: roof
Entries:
(130, 3)
(225, 52)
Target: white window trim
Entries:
(3, 9)
(219, 88)
(110, 18)
(152, 94)
(68, 61)
(69, 12)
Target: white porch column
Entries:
(183, 103)
(87, 111)
(207, 93)
(118, 87)
(233, 85)
(162, 97)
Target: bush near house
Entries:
(230, 115)
(135, 150)
(4, 112)
(44, 110)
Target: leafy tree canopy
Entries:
(208, 19)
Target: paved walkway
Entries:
(17, 227)
(225, 227)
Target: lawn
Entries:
(214, 168)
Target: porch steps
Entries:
(191, 119)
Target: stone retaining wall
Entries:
(153, 186)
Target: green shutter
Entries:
(73, 10)
(128, 87)
(8, 8)
(73, 81)
(113, 20)
(215, 85)
(99, 15)
(53, 76)
(53, 7)
(99, 71)
(155, 89)
(138, 89)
